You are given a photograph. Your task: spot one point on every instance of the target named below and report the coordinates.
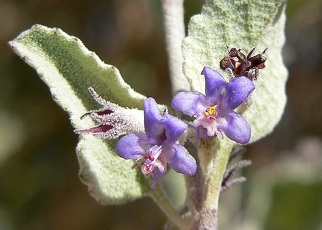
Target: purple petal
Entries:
(213, 80)
(192, 103)
(128, 147)
(235, 127)
(236, 92)
(182, 161)
(152, 118)
(174, 127)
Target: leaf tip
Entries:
(11, 44)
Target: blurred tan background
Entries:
(39, 185)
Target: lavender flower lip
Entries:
(214, 110)
(158, 146)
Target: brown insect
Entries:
(241, 65)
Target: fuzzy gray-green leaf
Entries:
(68, 68)
(241, 24)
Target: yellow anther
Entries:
(211, 111)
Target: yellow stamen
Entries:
(211, 111)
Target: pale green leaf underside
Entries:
(241, 24)
(68, 68)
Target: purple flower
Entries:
(214, 111)
(159, 145)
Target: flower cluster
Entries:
(154, 142)
(158, 146)
(214, 111)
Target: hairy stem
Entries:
(174, 34)
(215, 172)
(159, 196)
(213, 155)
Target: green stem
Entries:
(213, 155)
(215, 169)
(159, 196)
